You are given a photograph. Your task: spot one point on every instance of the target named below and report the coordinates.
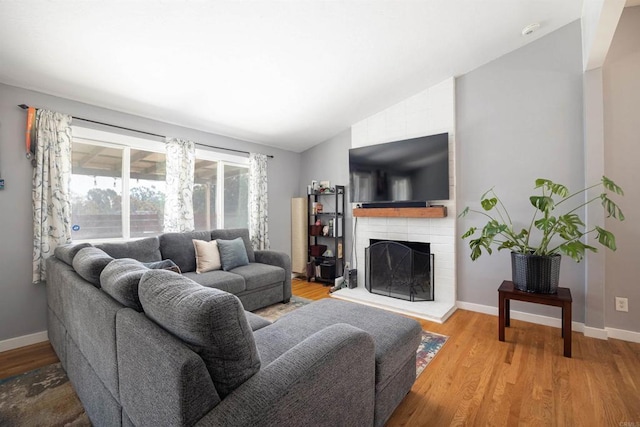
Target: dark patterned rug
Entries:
(44, 397)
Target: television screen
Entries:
(415, 170)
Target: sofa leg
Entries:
(286, 301)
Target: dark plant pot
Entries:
(535, 273)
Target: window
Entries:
(221, 191)
(118, 187)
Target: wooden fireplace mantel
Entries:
(430, 212)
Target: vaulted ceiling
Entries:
(289, 74)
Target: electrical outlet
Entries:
(622, 304)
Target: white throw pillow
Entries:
(207, 256)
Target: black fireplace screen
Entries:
(395, 270)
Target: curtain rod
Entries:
(24, 107)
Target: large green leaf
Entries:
(606, 238)
(576, 249)
(542, 203)
(492, 228)
(469, 232)
(475, 253)
(476, 246)
(488, 204)
(611, 186)
(522, 234)
(507, 244)
(570, 226)
(611, 208)
(545, 224)
(558, 189)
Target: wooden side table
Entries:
(507, 292)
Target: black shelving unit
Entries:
(326, 267)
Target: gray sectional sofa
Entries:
(151, 347)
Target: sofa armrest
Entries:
(162, 381)
(326, 380)
(279, 259)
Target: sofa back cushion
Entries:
(89, 263)
(233, 233)
(120, 279)
(144, 250)
(178, 247)
(212, 322)
(66, 253)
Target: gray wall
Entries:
(621, 88)
(23, 305)
(329, 161)
(519, 118)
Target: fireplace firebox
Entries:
(399, 269)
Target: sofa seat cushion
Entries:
(144, 250)
(212, 322)
(178, 247)
(120, 279)
(258, 275)
(219, 279)
(89, 263)
(396, 337)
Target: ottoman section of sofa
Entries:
(396, 340)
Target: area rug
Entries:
(42, 397)
(45, 397)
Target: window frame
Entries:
(222, 159)
(126, 143)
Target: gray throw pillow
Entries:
(232, 253)
(210, 321)
(165, 264)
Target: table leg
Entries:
(566, 328)
(501, 319)
(507, 315)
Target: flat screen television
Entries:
(412, 171)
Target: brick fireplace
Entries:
(439, 233)
(429, 112)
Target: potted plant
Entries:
(536, 249)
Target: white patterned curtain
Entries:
(178, 206)
(50, 195)
(258, 201)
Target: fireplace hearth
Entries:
(400, 269)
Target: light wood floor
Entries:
(477, 380)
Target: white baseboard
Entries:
(601, 334)
(622, 334)
(23, 341)
(588, 331)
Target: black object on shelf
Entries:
(326, 230)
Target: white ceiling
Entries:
(289, 74)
